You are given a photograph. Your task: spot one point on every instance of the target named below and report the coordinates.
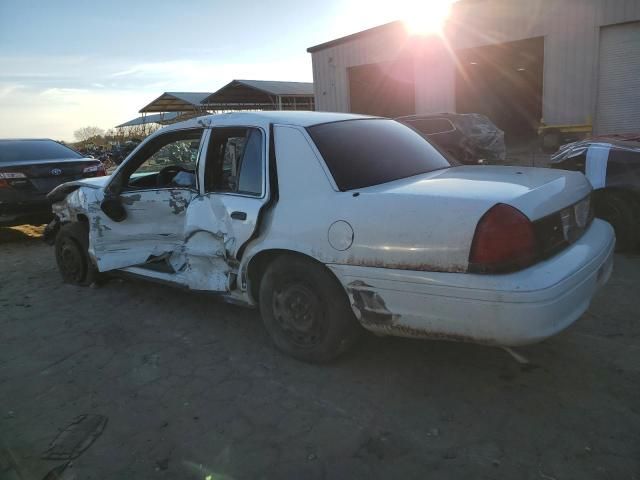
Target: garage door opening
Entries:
(504, 82)
(618, 108)
(384, 89)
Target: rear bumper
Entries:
(37, 210)
(513, 309)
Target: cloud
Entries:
(57, 112)
(7, 89)
(52, 97)
(208, 76)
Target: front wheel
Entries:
(74, 264)
(622, 211)
(306, 311)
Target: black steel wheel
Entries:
(305, 310)
(72, 258)
(299, 313)
(622, 211)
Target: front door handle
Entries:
(239, 215)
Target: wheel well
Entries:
(627, 195)
(259, 263)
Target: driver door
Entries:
(154, 186)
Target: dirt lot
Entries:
(193, 390)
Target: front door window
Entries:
(168, 161)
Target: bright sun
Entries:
(421, 17)
(426, 17)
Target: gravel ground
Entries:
(193, 389)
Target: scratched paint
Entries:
(177, 202)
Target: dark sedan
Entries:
(29, 169)
(469, 138)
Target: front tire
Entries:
(74, 264)
(622, 211)
(306, 311)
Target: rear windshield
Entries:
(361, 153)
(30, 150)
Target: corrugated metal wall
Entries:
(571, 29)
(330, 79)
(618, 109)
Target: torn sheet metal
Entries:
(483, 138)
(368, 305)
(608, 162)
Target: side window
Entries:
(169, 161)
(432, 126)
(235, 160)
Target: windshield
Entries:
(361, 153)
(30, 150)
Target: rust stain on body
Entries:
(418, 266)
(411, 332)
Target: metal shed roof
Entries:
(280, 88)
(146, 119)
(257, 92)
(176, 102)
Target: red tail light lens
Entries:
(504, 241)
(94, 171)
(7, 178)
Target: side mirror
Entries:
(113, 208)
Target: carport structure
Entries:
(184, 102)
(172, 107)
(159, 118)
(262, 95)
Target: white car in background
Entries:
(331, 221)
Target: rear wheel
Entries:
(306, 311)
(622, 211)
(74, 264)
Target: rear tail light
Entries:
(504, 241)
(94, 171)
(7, 178)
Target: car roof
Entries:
(26, 140)
(431, 115)
(264, 118)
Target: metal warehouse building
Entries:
(523, 63)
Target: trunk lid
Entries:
(44, 175)
(536, 192)
(429, 220)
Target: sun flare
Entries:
(426, 17)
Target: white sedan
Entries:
(329, 222)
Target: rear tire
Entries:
(74, 264)
(306, 311)
(622, 211)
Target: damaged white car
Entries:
(329, 222)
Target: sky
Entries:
(66, 64)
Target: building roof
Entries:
(176, 102)
(256, 94)
(280, 88)
(396, 27)
(146, 119)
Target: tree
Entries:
(87, 133)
